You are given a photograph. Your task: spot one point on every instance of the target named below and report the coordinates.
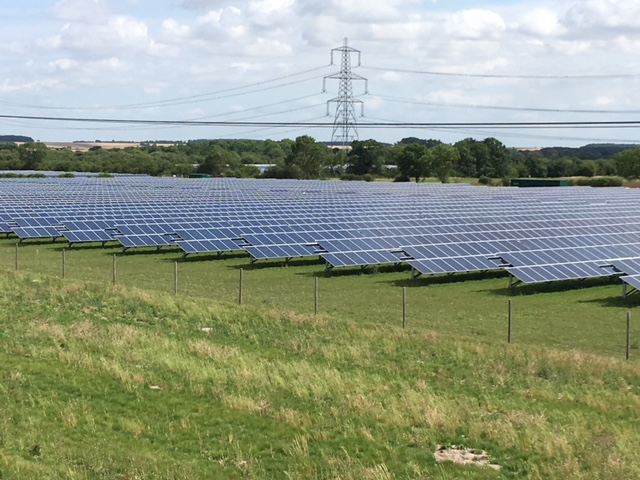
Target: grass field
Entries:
(588, 316)
(104, 383)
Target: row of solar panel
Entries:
(453, 229)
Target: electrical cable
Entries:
(178, 100)
(520, 77)
(573, 124)
(497, 107)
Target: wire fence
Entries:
(488, 314)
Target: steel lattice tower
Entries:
(344, 124)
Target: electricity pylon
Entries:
(344, 125)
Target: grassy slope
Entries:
(266, 395)
(589, 319)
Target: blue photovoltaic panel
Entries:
(208, 246)
(264, 252)
(452, 265)
(629, 266)
(25, 233)
(556, 272)
(359, 258)
(633, 280)
(442, 228)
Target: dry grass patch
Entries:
(464, 456)
(212, 351)
(239, 402)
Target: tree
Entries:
(336, 161)
(536, 165)
(584, 168)
(414, 161)
(467, 161)
(366, 156)
(306, 158)
(32, 155)
(559, 167)
(628, 163)
(445, 159)
(606, 167)
(498, 161)
(218, 160)
(427, 143)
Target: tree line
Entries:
(305, 158)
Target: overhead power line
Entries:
(521, 77)
(216, 95)
(502, 107)
(580, 124)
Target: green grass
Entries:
(588, 316)
(103, 383)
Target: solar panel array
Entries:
(537, 234)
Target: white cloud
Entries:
(608, 14)
(202, 4)
(571, 47)
(174, 30)
(475, 23)
(187, 47)
(628, 44)
(63, 64)
(354, 11)
(42, 85)
(394, 77)
(604, 101)
(266, 47)
(541, 22)
(92, 12)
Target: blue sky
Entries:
(264, 61)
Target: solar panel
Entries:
(633, 280)
(629, 266)
(441, 228)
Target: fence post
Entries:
(404, 307)
(175, 278)
(240, 287)
(64, 265)
(509, 329)
(115, 270)
(16, 257)
(316, 297)
(628, 335)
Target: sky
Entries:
(111, 65)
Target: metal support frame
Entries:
(513, 281)
(628, 290)
(617, 273)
